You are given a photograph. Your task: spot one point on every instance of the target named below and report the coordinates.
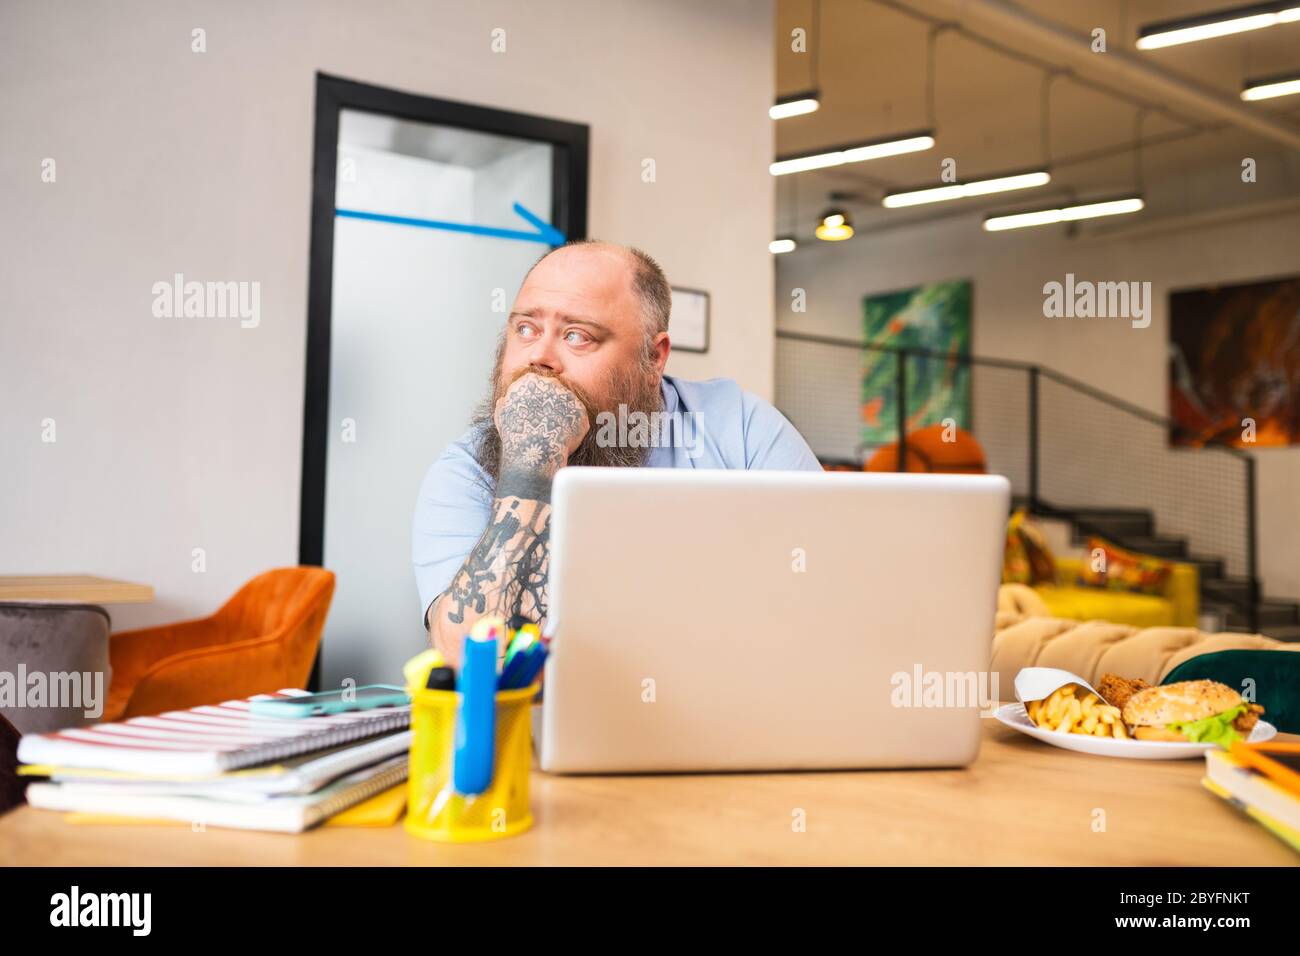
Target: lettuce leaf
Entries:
(1213, 730)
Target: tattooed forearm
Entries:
(505, 574)
(527, 483)
(526, 589)
(539, 422)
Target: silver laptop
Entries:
(728, 620)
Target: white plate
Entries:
(1014, 716)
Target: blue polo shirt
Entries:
(712, 424)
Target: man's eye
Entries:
(525, 331)
(575, 337)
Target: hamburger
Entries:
(1195, 711)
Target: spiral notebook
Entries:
(205, 740)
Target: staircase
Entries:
(1056, 439)
(1135, 529)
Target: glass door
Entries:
(436, 211)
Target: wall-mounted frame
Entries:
(688, 326)
(568, 214)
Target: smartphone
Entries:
(332, 702)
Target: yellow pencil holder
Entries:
(433, 808)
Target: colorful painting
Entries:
(1234, 365)
(934, 319)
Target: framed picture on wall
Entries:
(688, 326)
(935, 321)
(1234, 365)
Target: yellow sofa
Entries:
(1176, 606)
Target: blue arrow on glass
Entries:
(546, 233)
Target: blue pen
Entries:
(516, 656)
(476, 721)
(532, 665)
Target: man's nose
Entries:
(546, 353)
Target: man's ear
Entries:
(661, 347)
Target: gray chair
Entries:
(54, 659)
(12, 786)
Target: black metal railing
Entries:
(1068, 448)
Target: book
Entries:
(382, 810)
(1252, 787)
(205, 740)
(1263, 799)
(1280, 830)
(302, 774)
(287, 813)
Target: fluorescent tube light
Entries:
(1218, 24)
(1269, 87)
(912, 143)
(796, 104)
(1044, 217)
(978, 187)
(778, 246)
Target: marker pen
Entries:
(476, 720)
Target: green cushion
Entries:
(1276, 675)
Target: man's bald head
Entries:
(645, 278)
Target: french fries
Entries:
(1065, 712)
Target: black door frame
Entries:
(334, 94)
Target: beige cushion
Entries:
(1093, 648)
(1019, 601)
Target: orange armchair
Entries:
(264, 638)
(927, 451)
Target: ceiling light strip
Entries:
(853, 153)
(1044, 217)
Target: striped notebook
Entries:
(205, 740)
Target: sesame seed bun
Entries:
(1179, 703)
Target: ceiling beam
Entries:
(1025, 30)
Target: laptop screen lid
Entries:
(731, 620)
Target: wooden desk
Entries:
(1022, 802)
(73, 589)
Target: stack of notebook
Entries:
(1272, 802)
(221, 765)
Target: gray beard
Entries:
(644, 396)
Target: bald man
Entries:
(578, 380)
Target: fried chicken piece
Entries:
(1117, 690)
(1245, 723)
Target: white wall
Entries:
(1009, 271)
(174, 434)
